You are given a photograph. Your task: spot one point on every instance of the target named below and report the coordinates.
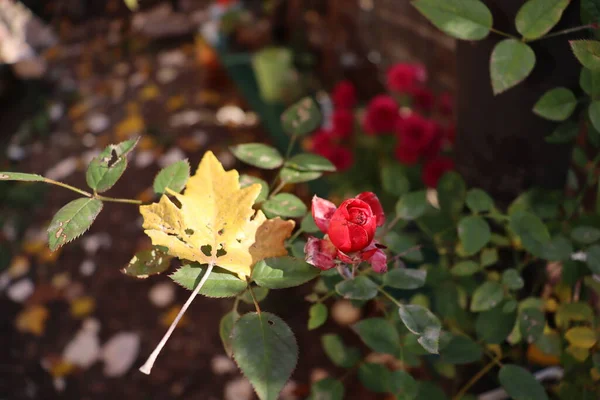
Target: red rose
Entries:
(405, 77)
(343, 123)
(350, 230)
(446, 104)
(325, 143)
(416, 132)
(434, 169)
(343, 95)
(423, 98)
(381, 116)
(406, 155)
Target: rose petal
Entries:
(373, 201)
(320, 253)
(379, 262)
(345, 257)
(322, 211)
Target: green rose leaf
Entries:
(258, 155)
(430, 340)
(536, 17)
(394, 180)
(106, 169)
(564, 133)
(247, 180)
(452, 192)
(474, 233)
(487, 296)
(479, 201)
(593, 258)
(489, 256)
(301, 118)
(495, 325)
(531, 324)
(404, 245)
(412, 205)
(327, 389)
(405, 278)
(173, 177)
(587, 52)
(512, 280)
(590, 81)
(310, 162)
(465, 268)
(531, 230)
(317, 315)
(461, 19)
(266, 351)
(225, 329)
(284, 205)
(556, 104)
(308, 224)
(403, 385)
(520, 384)
(461, 350)
(260, 293)
(359, 288)
(558, 249)
(220, 283)
(569, 312)
(375, 377)
(338, 353)
(19, 176)
(379, 335)
(511, 62)
(148, 262)
(72, 221)
(290, 175)
(283, 272)
(418, 318)
(585, 234)
(594, 114)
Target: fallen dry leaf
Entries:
(32, 320)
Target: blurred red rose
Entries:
(405, 77)
(350, 230)
(434, 169)
(446, 104)
(326, 144)
(343, 123)
(406, 155)
(416, 132)
(450, 133)
(381, 116)
(343, 95)
(423, 99)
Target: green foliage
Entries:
(291, 175)
(284, 205)
(148, 262)
(536, 17)
(564, 133)
(487, 296)
(412, 205)
(556, 104)
(258, 155)
(511, 62)
(247, 180)
(531, 324)
(479, 201)
(106, 169)
(72, 221)
(317, 316)
(359, 288)
(405, 278)
(474, 233)
(393, 179)
(220, 283)
(462, 19)
(379, 335)
(19, 176)
(327, 389)
(452, 192)
(266, 351)
(338, 353)
(173, 177)
(520, 383)
(225, 329)
(587, 52)
(301, 118)
(310, 162)
(283, 272)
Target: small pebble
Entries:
(173, 155)
(93, 242)
(88, 140)
(15, 153)
(144, 158)
(162, 294)
(84, 349)
(87, 268)
(317, 374)
(21, 290)
(344, 313)
(63, 169)
(222, 365)
(226, 158)
(173, 58)
(238, 389)
(56, 111)
(119, 353)
(166, 75)
(98, 123)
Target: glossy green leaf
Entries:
(260, 293)
(379, 335)
(106, 169)
(418, 318)
(520, 384)
(461, 350)
(585, 234)
(394, 180)
(404, 245)
(487, 296)
(374, 377)
(148, 262)
(593, 258)
(587, 52)
(512, 280)
(531, 324)
(290, 175)
(461, 19)
(474, 233)
(317, 315)
(564, 133)
(479, 201)
(531, 230)
(173, 177)
(556, 104)
(511, 62)
(489, 257)
(594, 114)
(430, 391)
(359, 288)
(72, 221)
(589, 81)
(327, 389)
(258, 154)
(247, 180)
(301, 118)
(225, 329)
(338, 353)
(405, 278)
(308, 224)
(573, 312)
(220, 282)
(310, 162)
(412, 205)
(452, 192)
(493, 326)
(550, 343)
(19, 176)
(559, 248)
(266, 351)
(403, 385)
(536, 17)
(430, 340)
(465, 268)
(284, 205)
(283, 272)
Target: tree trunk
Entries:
(500, 143)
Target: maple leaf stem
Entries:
(147, 367)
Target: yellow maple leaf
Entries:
(216, 223)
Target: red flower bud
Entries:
(404, 77)
(434, 169)
(381, 116)
(352, 226)
(343, 95)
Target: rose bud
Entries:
(352, 226)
